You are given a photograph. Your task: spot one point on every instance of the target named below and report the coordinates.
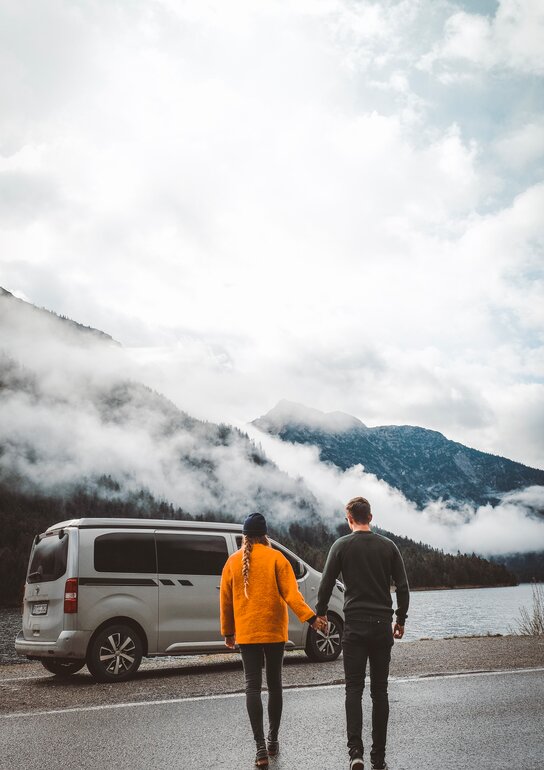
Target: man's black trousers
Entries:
(367, 639)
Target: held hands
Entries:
(320, 623)
(398, 631)
(230, 641)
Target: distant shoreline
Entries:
(458, 588)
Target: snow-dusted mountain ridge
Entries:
(422, 463)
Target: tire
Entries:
(62, 668)
(323, 648)
(114, 654)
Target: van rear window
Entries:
(125, 552)
(49, 559)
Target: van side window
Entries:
(125, 552)
(191, 554)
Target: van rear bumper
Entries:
(70, 644)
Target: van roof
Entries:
(145, 524)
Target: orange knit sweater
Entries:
(263, 617)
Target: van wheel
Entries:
(324, 647)
(62, 668)
(114, 654)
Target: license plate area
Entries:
(39, 608)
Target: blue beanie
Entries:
(255, 525)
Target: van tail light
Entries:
(70, 596)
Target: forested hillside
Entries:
(527, 567)
(23, 515)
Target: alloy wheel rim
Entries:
(117, 654)
(328, 642)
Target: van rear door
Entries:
(43, 608)
(189, 570)
(118, 578)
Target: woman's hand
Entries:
(321, 623)
(230, 641)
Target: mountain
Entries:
(14, 311)
(421, 463)
(70, 413)
(80, 436)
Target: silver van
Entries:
(105, 592)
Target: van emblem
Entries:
(37, 589)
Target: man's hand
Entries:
(321, 623)
(230, 641)
(398, 631)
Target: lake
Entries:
(466, 611)
(432, 614)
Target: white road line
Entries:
(130, 704)
(193, 699)
(463, 674)
(24, 678)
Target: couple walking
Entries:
(257, 585)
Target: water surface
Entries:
(466, 611)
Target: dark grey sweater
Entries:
(369, 563)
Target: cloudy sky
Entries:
(339, 203)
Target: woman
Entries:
(257, 584)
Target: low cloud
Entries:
(72, 411)
(511, 526)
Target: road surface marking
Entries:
(194, 698)
(462, 674)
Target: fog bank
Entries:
(511, 526)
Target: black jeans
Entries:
(367, 639)
(253, 656)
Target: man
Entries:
(368, 563)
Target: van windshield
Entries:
(49, 559)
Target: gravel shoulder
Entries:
(29, 687)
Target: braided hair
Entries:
(248, 541)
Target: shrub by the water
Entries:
(531, 619)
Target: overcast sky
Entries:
(339, 203)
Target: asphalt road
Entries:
(482, 721)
